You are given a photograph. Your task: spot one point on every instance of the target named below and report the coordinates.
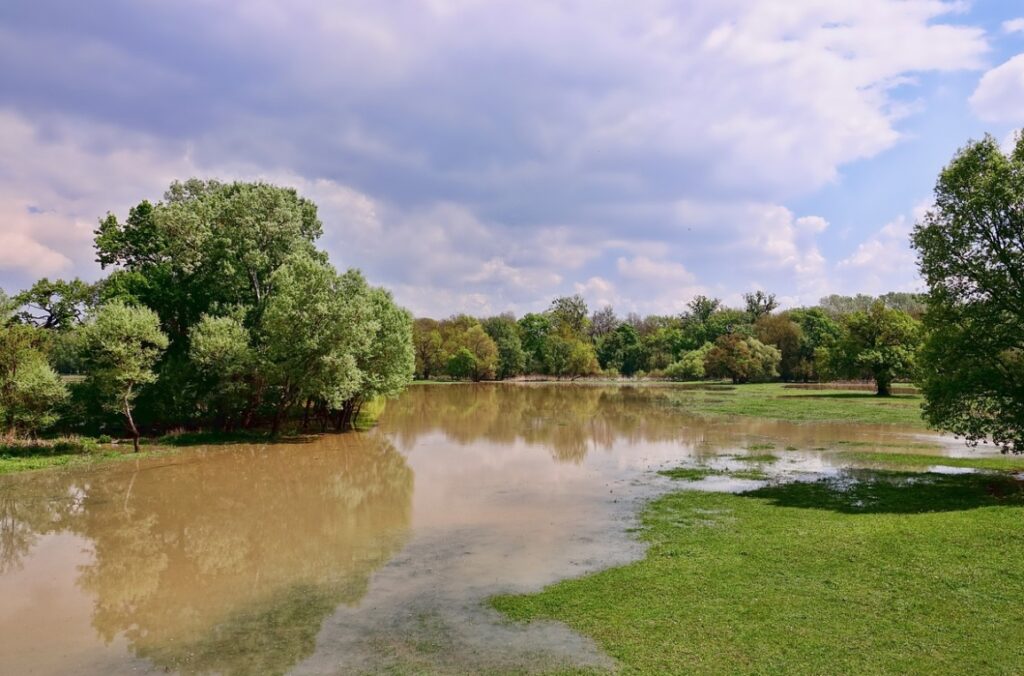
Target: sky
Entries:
(486, 156)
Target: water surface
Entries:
(363, 552)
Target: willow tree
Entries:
(971, 252)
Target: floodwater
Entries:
(363, 552)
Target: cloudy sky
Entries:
(484, 156)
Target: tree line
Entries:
(218, 311)
(962, 341)
(859, 337)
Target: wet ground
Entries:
(372, 551)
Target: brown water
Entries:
(361, 552)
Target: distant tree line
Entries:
(857, 337)
(218, 312)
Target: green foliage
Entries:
(621, 350)
(58, 305)
(429, 348)
(690, 366)
(879, 343)
(786, 335)
(759, 304)
(122, 343)
(504, 331)
(970, 253)
(818, 332)
(313, 330)
(462, 364)
(533, 334)
(30, 391)
(569, 316)
(742, 359)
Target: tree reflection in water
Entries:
(226, 561)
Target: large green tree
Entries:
(30, 390)
(971, 253)
(122, 343)
(879, 343)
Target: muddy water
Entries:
(361, 552)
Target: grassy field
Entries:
(891, 573)
(1006, 463)
(774, 400)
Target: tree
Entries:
(970, 253)
(57, 305)
(122, 343)
(690, 366)
(462, 364)
(533, 334)
(315, 325)
(742, 359)
(621, 350)
(505, 334)
(485, 352)
(786, 335)
(879, 343)
(30, 390)
(702, 307)
(818, 333)
(388, 362)
(570, 357)
(603, 322)
(429, 348)
(569, 316)
(759, 304)
(222, 351)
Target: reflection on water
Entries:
(226, 561)
(321, 557)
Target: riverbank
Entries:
(866, 572)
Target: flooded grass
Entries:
(700, 473)
(869, 573)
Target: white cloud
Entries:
(1014, 25)
(883, 262)
(999, 96)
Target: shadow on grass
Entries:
(886, 492)
(825, 394)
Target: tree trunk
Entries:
(131, 421)
(884, 387)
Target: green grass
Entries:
(23, 457)
(698, 473)
(1002, 463)
(774, 400)
(896, 573)
(757, 457)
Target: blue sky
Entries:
(487, 156)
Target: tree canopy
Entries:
(971, 253)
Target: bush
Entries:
(104, 439)
(690, 366)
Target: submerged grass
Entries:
(71, 452)
(698, 473)
(878, 572)
(774, 400)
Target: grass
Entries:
(1002, 463)
(71, 452)
(698, 473)
(883, 572)
(774, 400)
